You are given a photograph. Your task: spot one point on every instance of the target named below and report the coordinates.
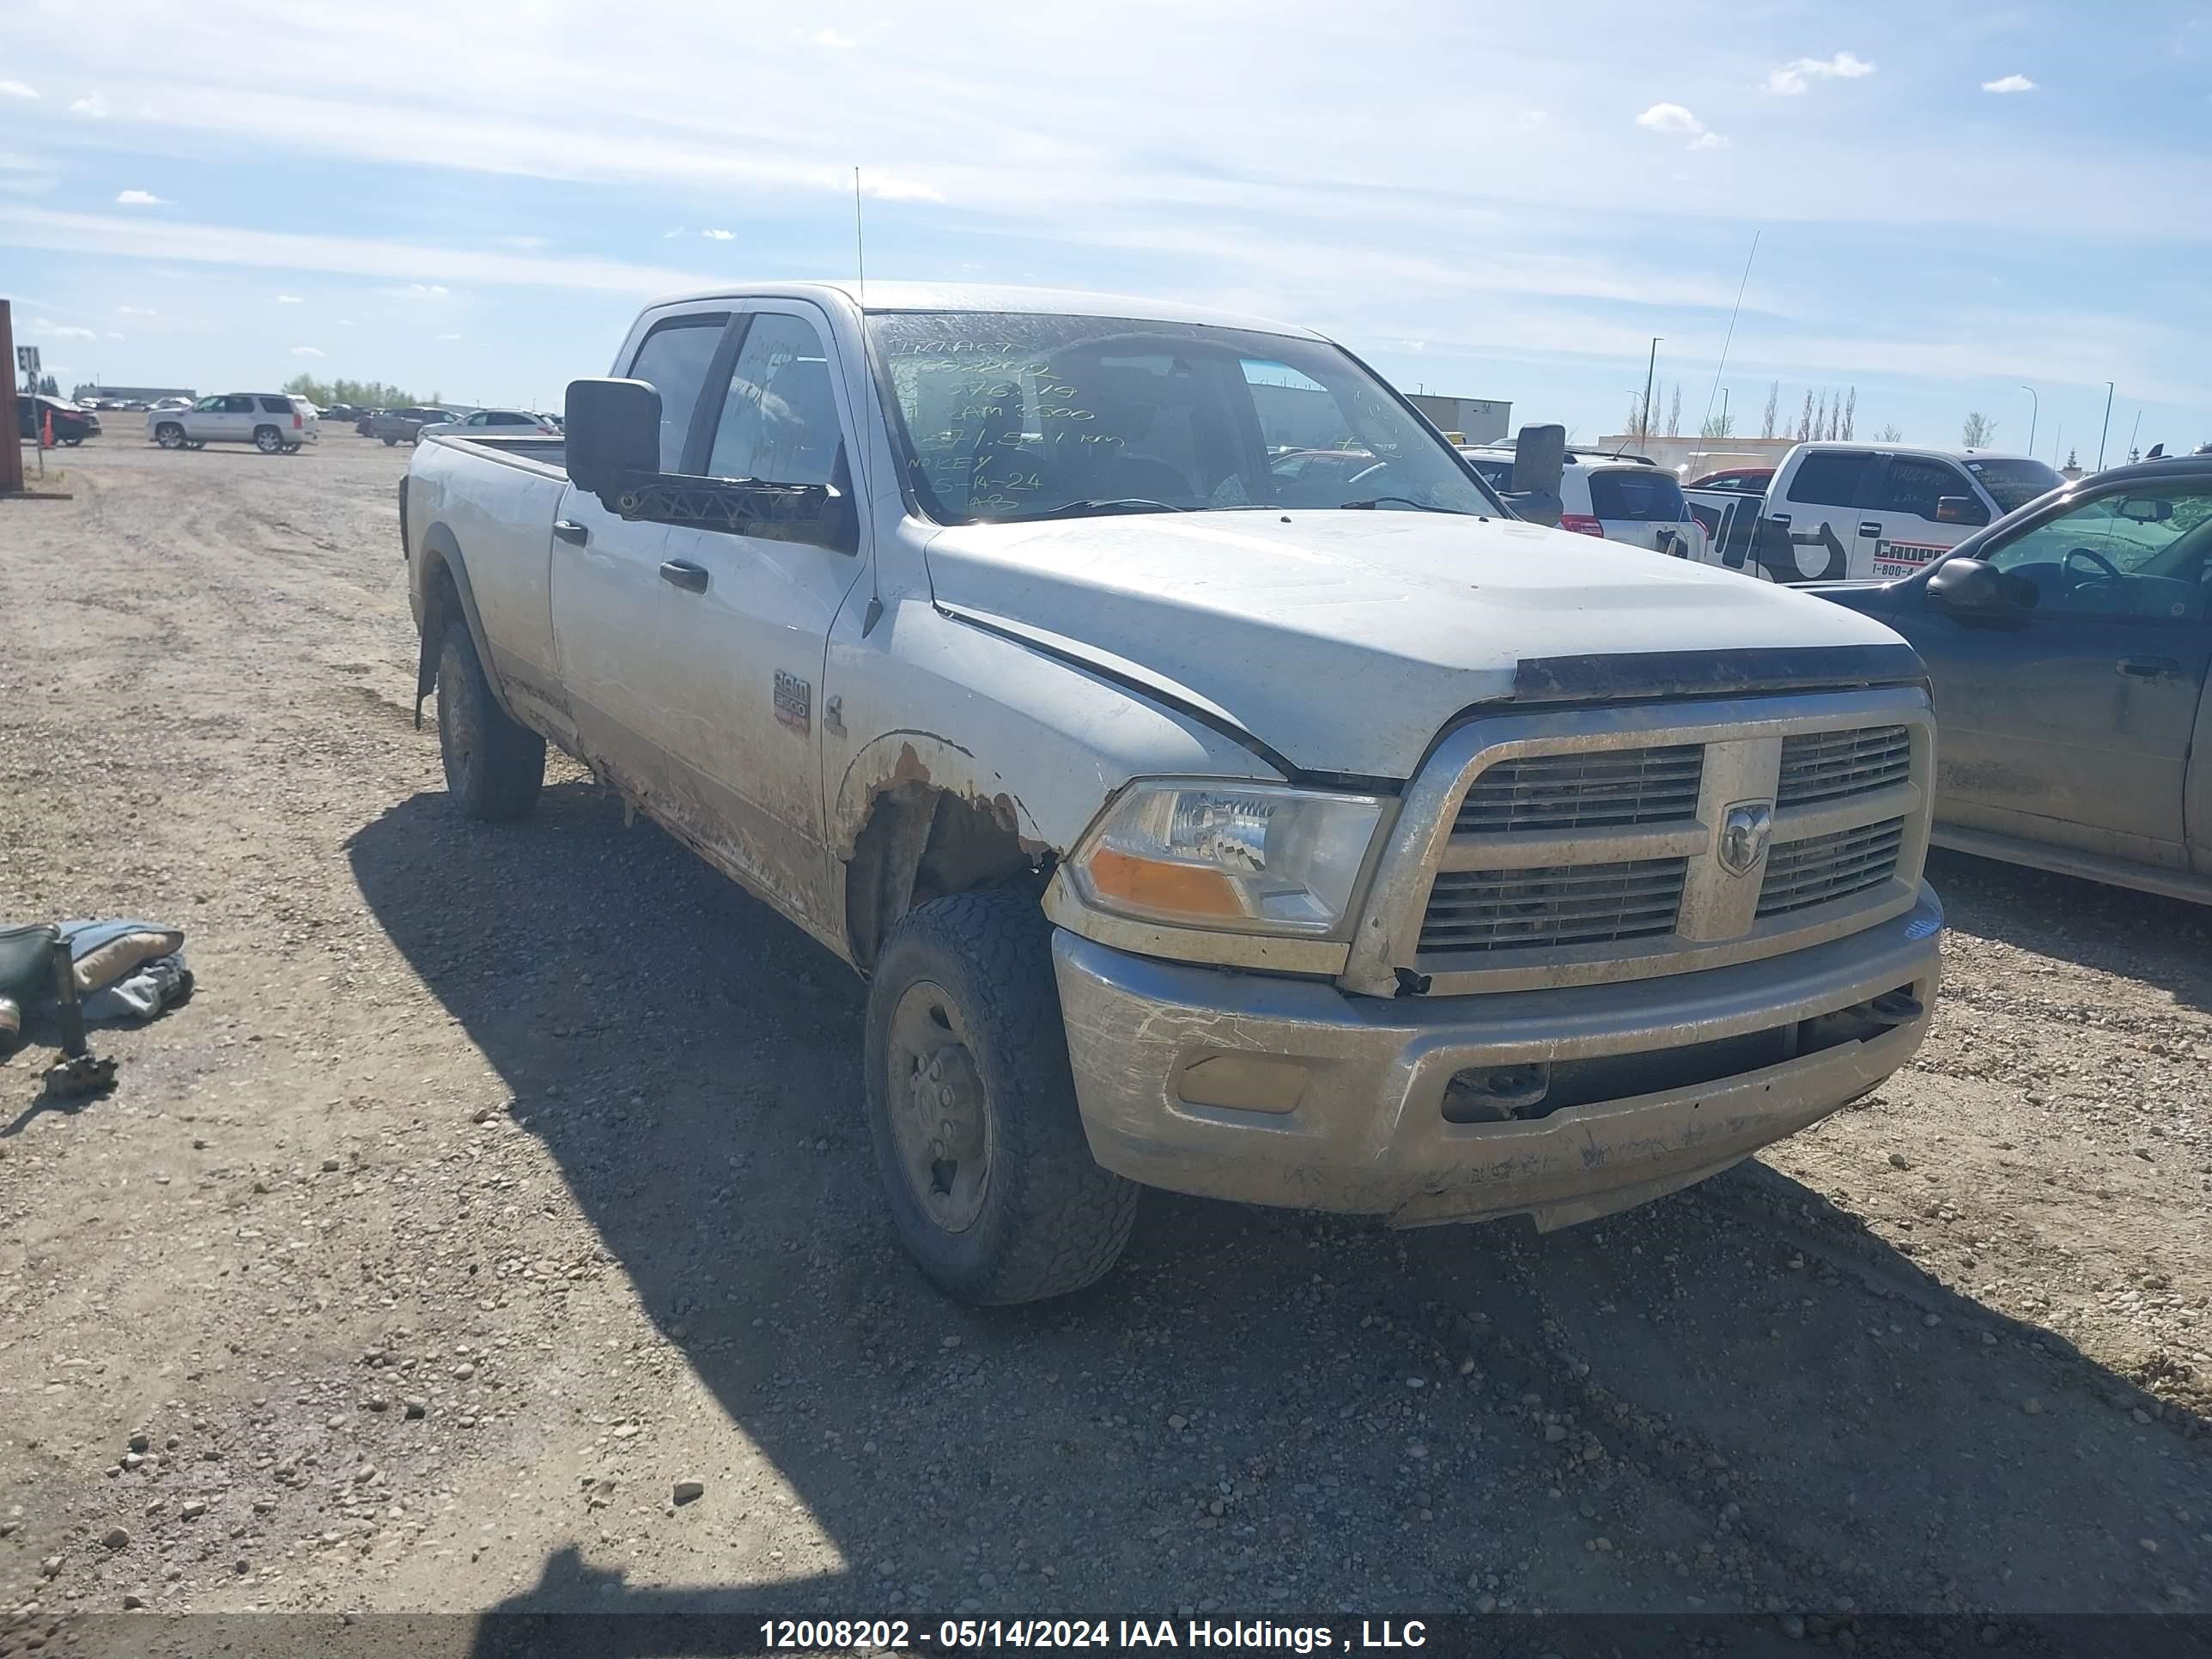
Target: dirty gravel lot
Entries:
(496, 1181)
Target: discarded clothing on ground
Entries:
(144, 992)
(124, 969)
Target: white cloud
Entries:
(92, 104)
(304, 351)
(113, 335)
(16, 89)
(2009, 83)
(1677, 122)
(61, 331)
(449, 336)
(346, 322)
(892, 188)
(718, 235)
(1799, 73)
(134, 310)
(671, 236)
(290, 300)
(834, 41)
(420, 291)
(527, 243)
(139, 199)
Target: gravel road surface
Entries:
(497, 1183)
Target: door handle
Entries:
(682, 573)
(572, 532)
(1782, 518)
(1868, 527)
(2149, 668)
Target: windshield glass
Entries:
(2014, 483)
(1007, 416)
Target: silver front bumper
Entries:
(1340, 1098)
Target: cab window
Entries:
(1915, 486)
(2140, 552)
(778, 415)
(673, 360)
(1830, 477)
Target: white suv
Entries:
(1623, 498)
(274, 422)
(492, 423)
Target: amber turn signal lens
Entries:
(1156, 885)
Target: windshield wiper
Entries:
(1374, 501)
(1116, 504)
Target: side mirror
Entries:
(1539, 460)
(613, 431)
(1959, 509)
(1967, 585)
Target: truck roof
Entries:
(986, 297)
(1860, 444)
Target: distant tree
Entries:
(1851, 411)
(1773, 410)
(50, 386)
(1975, 431)
(1634, 428)
(1805, 420)
(1675, 411)
(1889, 434)
(368, 394)
(2073, 459)
(1722, 425)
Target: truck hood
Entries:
(1345, 640)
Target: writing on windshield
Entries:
(1009, 416)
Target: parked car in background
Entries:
(171, 403)
(347, 413)
(365, 426)
(1881, 511)
(487, 423)
(1735, 481)
(1395, 857)
(1623, 498)
(399, 425)
(73, 423)
(2069, 644)
(274, 422)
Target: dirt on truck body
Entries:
(492, 1185)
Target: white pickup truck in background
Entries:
(1382, 854)
(1856, 511)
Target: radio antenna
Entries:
(860, 246)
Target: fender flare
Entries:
(439, 543)
(925, 759)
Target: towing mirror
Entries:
(613, 431)
(1540, 459)
(1967, 585)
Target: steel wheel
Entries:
(940, 1120)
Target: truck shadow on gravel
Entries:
(2163, 942)
(1737, 1397)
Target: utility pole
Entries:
(1644, 426)
(11, 451)
(2035, 410)
(2107, 427)
(1724, 392)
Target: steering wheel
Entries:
(2095, 558)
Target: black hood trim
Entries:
(1645, 675)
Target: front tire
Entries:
(73, 442)
(972, 1111)
(493, 767)
(169, 435)
(267, 440)
(389, 442)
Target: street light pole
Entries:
(1644, 431)
(2107, 427)
(2034, 413)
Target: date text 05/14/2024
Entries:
(1097, 1635)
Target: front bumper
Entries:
(1342, 1099)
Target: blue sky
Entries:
(1952, 201)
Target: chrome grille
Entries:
(1818, 766)
(1554, 905)
(1591, 790)
(1803, 873)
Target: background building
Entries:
(1480, 420)
(133, 394)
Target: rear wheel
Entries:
(972, 1111)
(196, 443)
(75, 441)
(389, 442)
(169, 435)
(268, 440)
(493, 767)
(291, 449)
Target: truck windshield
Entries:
(1005, 416)
(2014, 483)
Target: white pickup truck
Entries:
(1384, 855)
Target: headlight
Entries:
(1243, 858)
